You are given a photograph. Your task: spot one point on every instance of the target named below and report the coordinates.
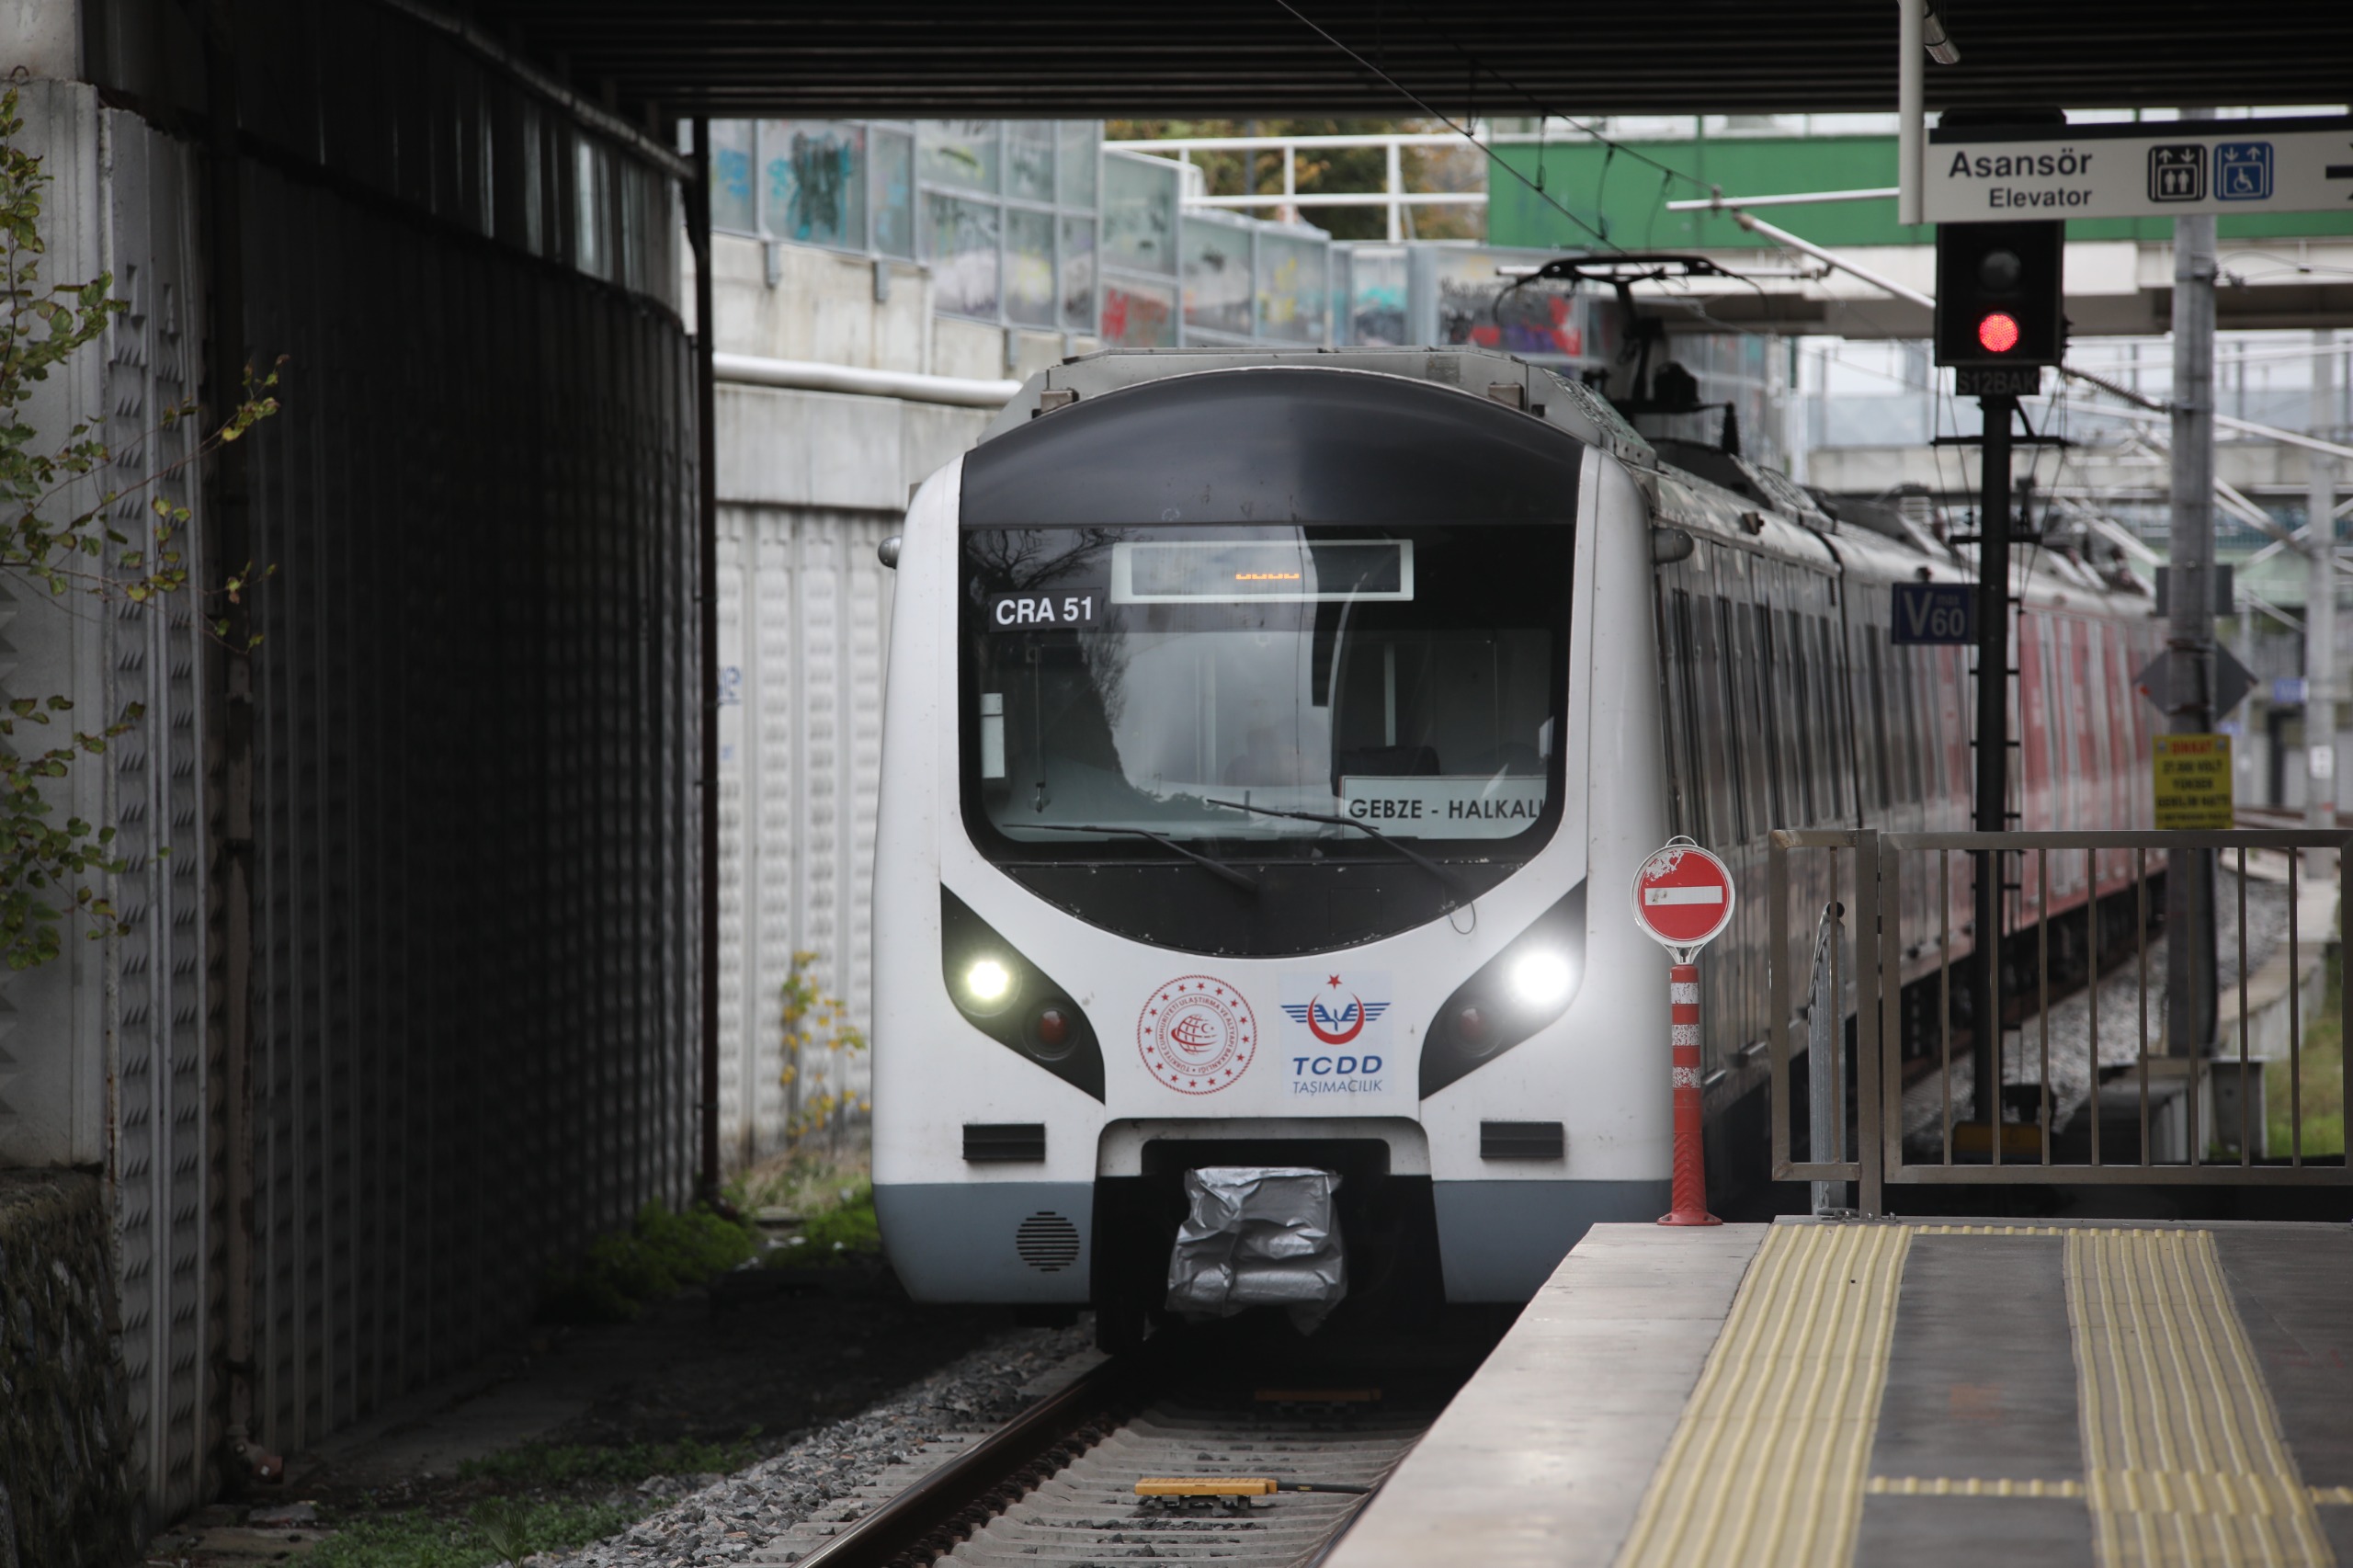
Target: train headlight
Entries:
(1514, 995)
(1004, 994)
(988, 985)
(1541, 979)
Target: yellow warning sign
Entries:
(2194, 783)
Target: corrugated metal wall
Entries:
(804, 614)
(475, 820)
(167, 1084)
(475, 921)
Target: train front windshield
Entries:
(1194, 684)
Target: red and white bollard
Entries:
(1690, 1190)
(1683, 901)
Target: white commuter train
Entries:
(1270, 742)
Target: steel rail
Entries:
(938, 1504)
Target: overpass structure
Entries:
(412, 995)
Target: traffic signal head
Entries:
(2000, 297)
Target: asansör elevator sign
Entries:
(1980, 174)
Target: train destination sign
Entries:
(1477, 806)
(1683, 897)
(1981, 173)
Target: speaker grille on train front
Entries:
(1046, 1243)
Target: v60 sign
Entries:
(1934, 612)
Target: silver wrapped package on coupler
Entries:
(1259, 1236)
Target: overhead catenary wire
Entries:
(1599, 230)
(1545, 114)
(1535, 185)
(1448, 120)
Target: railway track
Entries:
(1057, 1486)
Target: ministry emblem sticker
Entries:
(1196, 1034)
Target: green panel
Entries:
(1622, 196)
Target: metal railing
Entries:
(1904, 945)
(1289, 201)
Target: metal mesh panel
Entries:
(475, 829)
(166, 1084)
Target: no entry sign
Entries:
(1683, 897)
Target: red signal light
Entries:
(1998, 332)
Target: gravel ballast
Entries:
(733, 1517)
(2120, 1016)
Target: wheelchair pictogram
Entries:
(2243, 171)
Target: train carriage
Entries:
(1269, 741)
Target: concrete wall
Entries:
(783, 448)
(809, 483)
(67, 1493)
(783, 301)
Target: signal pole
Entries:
(2001, 317)
(2190, 878)
(1993, 790)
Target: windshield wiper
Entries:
(1416, 856)
(1242, 879)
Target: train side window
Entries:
(2068, 684)
(2124, 717)
(1825, 723)
(1850, 674)
(1804, 692)
(1764, 681)
(2048, 719)
(1747, 794)
(1913, 689)
(1683, 727)
(2095, 735)
(1836, 711)
(1670, 665)
(1878, 700)
(2089, 710)
(1948, 744)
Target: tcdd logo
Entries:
(1328, 1066)
(1334, 1021)
(1335, 1039)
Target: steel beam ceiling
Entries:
(1239, 57)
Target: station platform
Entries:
(1883, 1393)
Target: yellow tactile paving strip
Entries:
(1967, 1486)
(2183, 1461)
(2183, 1457)
(1767, 1464)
